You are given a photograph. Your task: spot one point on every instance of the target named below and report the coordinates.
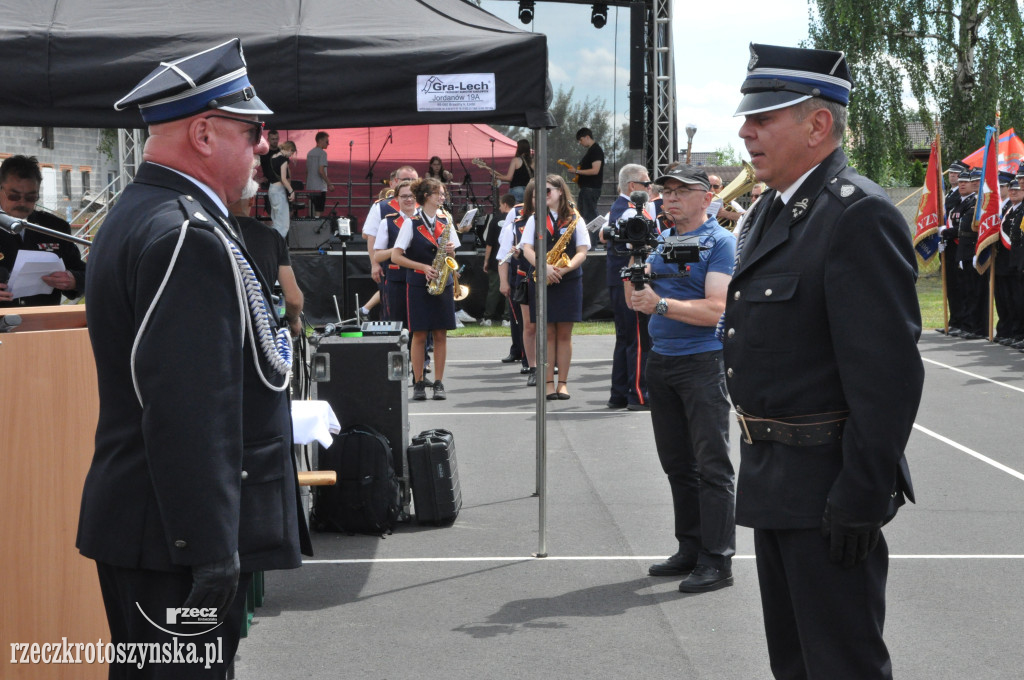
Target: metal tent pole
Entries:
(541, 304)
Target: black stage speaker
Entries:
(303, 234)
(367, 385)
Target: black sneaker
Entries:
(438, 391)
(419, 391)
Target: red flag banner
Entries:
(926, 238)
(929, 209)
(1010, 153)
(987, 220)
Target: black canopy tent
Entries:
(317, 63)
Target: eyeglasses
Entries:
(255, 132)
(669, 193)
(407, 197)
(549, 190)
(15, 197)
(643, 184)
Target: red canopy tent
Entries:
(404, 145)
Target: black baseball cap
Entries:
(687, 174)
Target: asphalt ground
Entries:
(469, 600)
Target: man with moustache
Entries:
(192, 486)
(20, 179)
(820, 340)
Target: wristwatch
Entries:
(661, 309)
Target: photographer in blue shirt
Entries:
(686, 381)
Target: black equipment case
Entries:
(434, 476)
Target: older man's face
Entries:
(18, 196)
(777, 142)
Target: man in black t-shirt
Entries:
(591, 174)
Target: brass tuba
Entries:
(743, 183)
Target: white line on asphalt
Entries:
(971, 452)
(613, 558)
(973, 375)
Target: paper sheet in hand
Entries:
(594, 225)
(467, 219)
(29, 269)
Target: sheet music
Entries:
(467, 219)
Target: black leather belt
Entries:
(810, 430)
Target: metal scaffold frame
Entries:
(662, 86)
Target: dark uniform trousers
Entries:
(632, 343)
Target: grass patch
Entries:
(929, 294)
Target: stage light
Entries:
(599, 15)
(526, 11)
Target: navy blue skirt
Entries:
(394, 295)
(565, 301)
(429, 312)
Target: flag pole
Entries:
(940, 209)
(992, 265)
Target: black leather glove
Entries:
(214, 585)
(852, 540)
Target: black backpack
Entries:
(367, 497)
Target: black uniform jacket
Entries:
(204, 466)
(822, 316)
(10, 244)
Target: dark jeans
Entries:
(690, 415)
(821, 621)
(586, 202)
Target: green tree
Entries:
(962, 59)
(724, 155)
(571, 115)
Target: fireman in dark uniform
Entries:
(973, 286)
(820, 342)
(193, 485)
(1009, 266)
(948, 233)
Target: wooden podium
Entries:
(48, 415)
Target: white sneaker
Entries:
(459, 324)
(461, 315)
(485, 322)
(506, 324)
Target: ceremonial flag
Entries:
(929, 209)
(987, 221)
(1010, 152)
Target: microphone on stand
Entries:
(449, 136)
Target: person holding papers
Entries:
(20, 178)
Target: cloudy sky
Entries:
(710, 47)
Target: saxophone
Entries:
(556, 256)
(444, 263)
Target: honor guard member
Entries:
(973, 286)
(192, 486)
(948, 234)
(1009, 266)
(632, 341)
(821, 329)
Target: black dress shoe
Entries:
(677, 565)
(511, 359)
(704, 579)
(968, 335)
(526, 369)
(616, 404)
(638, 407)
(532, 380)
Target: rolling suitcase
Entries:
(434, 477)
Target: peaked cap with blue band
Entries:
(215, 78)
(779, 77)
